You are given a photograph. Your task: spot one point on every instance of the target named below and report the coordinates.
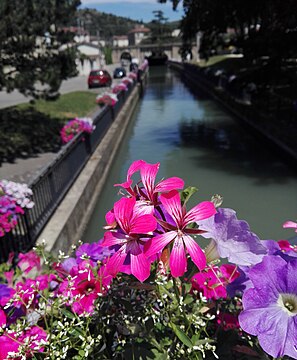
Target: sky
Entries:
(134, 9)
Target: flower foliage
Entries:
(107, 98)
(76, 126)
(149, 288)
(14, 198)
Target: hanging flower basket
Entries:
(106, 99)
(14, 198)
(76, 126)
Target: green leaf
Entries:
(81, 353)
(188, 299)
(67, 313)
(159, 356)
(187, 287)
(183, 337)
(187, 193)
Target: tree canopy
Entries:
(259, 28)
(34, 53)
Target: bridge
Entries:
(140, 51)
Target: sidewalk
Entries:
(24, 170)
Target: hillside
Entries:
(102, 24)
(107, 25)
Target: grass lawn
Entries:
(67, 106)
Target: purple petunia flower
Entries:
(270, 307)
(93, 251)
(232, 239)
(5, 294)
(240, 284)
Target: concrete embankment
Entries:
(278, 131)
(67, 224)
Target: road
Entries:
(74, 84)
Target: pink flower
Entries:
(285, 246)
(119, 87)
(9, 275)
(2, 318)
(36, 338)
(85, 287)
(179, 234)
(132, 76)
(227, 321)
(8, 344)
(290, 224)
(107, 99)
(29, 261)
(76, 126)
(213, 281)
(28, 292)
(129, 239)
(148, 173)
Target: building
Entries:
(90, 57)
(120, 41)
(136, 35)
(176, 33)
(80, 34)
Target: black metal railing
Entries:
(51, 185)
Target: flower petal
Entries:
(143, 224)
(270, 325)
(158, 243)
(123, 211)
(169, 184)
(178, 260)
(290, 224)
(115, 262)
(113, 238)
(148, 173)
(109, 217)
(2, 318)
(134, 167)
(140, 267)
(202, 211)
(172, 204)
(197, 255)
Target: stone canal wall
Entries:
(279, 127)
(68, 223)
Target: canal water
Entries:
(194, 138)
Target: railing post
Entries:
(87, 139)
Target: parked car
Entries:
(99, 78)
(133, 67)
(119, 73)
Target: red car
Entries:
(99, 78)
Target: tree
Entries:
(261, 28)
(35, 55)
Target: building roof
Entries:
(139, 29)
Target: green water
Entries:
(194, 138)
